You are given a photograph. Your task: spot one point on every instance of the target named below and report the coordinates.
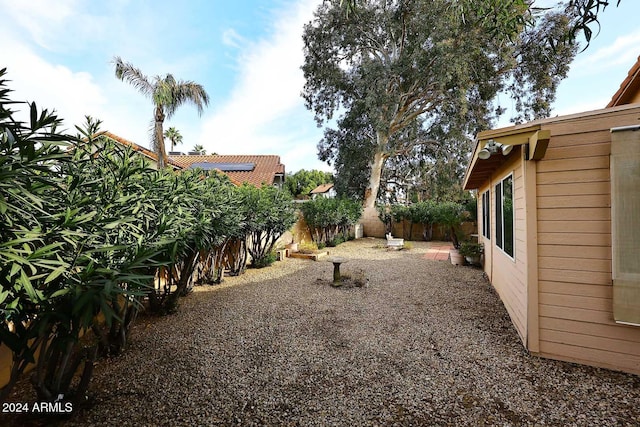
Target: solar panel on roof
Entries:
(225, 167)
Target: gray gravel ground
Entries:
(424, 343)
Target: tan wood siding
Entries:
(581, 264)
(589, 356)
(574, 214)
(509, 276)
(585, 201)
(584, 277)
(600, 147)
(591, 342)
(563, 177)
(574, 247)
(562, 189)
(599, 291)
(575, 301)
(585, 252)
(600, 227)
(595, 329)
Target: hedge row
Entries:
(90, 234)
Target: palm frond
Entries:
(188, 92)
(126, 72)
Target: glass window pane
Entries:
(486, 221)
(507, 209)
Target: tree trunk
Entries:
(159, 138)
(371, 193)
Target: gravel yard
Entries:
(423, 343)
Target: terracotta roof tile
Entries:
(322, 188)
(265, 171)
(139, 148)
(628, 88)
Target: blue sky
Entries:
(247, 54)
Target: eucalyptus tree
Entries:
(166, 93)
(583, 14)
(400, 61)
(173, 135)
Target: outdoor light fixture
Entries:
(492, 147)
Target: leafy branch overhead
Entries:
(402, 73)
(583, 14)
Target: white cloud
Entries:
(231, 38)
(265, 113)
(37, 17)
(55, 87)
(622, 52)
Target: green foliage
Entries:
(406, 74)
(471, 207)
(424, 213)
(89, 232)
(301, 183)
(471, 249)
(265, 261)
(427, 213)
(269, 213)
(450, 214)
(328, 218)
(173, 135)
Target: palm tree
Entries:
(199, 148)
(174, 136)
(167, 95)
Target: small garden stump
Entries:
(336, 268)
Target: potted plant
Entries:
(450, 214)
(472, 252)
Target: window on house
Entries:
(486, 221)
(504, 215)
(625, 224)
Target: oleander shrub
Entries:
(330, 220)
(270, 212)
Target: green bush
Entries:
(265, 261)
(85, 227)
(451, 215)
(424, 213)
(471, 249)
(269, 213)
(328, 219)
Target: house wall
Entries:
(508, 276)
(574, 246)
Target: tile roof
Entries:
(322, 188)
(628, 88)
(139, 148)
(265, 171)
